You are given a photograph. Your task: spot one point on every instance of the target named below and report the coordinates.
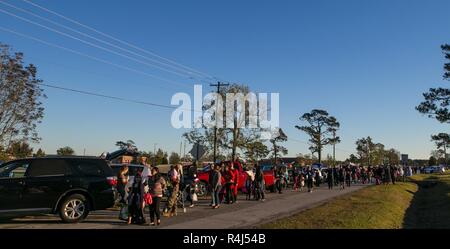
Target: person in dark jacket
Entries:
(229, 183)
(136, 200)
(342, 177)
(393, 174)
(259, 184)
(156, 186)
(387, 175)
(330, 179)
(215, 185)
(310, 180)
(348, 177)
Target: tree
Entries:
(174, 158)
(352, 159)
(278, 150)
(129, 144)
(3, 155)
(20, 150)
(393, 156)
(255, 151)
(442, 140)
(39, 153)
(65, 151)
(161, 157)
(437, 100)
(364, 147)
(305, 159)
(378, 154)
(320, 127)
(20, 99)
(432, 161)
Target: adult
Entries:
(310, 180)
(174, 178)
(387, 175)
(215, 185)
(229, 183)
(330, 178)
(122, 181)
(342, 177)
(236, 174)
(394, 173)
(156, 185)
(259, 184)
(136, 200)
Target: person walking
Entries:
(136, 200)
(229, 182)
(310, 180)
(394, 174)
(330, 179)
(259, 184)
(236, 174)
(387, 175)
(174, 178)
(156, 186)
(215, 186)
(342, 177)
(122, 181)
(348, 177)
(190, 178)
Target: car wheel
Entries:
(74, 208)
(202, 189)
(272, 188)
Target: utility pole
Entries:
(334, 148)
(218, 85)
(154, 154)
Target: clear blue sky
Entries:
(366, 62)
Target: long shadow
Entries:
(430, 205)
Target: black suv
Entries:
(68, 186)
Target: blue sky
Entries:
(366, 62)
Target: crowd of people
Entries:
(148, 186)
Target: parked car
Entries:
(203, 176)
(432, 169)
(68, 186)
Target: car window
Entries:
(14, 170)
(88, 168)
(48, 168)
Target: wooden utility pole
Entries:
(218, 85)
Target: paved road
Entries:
(244, 214)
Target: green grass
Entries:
(430, 207)
(424, 202)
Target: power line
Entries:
(91, 57)
(81, 40)
(116, 39)
(111, 97)
(188, 73)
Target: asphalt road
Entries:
(244, 214)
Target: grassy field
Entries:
(424, 202)
(430, 207)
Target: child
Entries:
(302, 182)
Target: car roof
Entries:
(55, 157)
(129, 165)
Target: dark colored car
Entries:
(68, 186)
